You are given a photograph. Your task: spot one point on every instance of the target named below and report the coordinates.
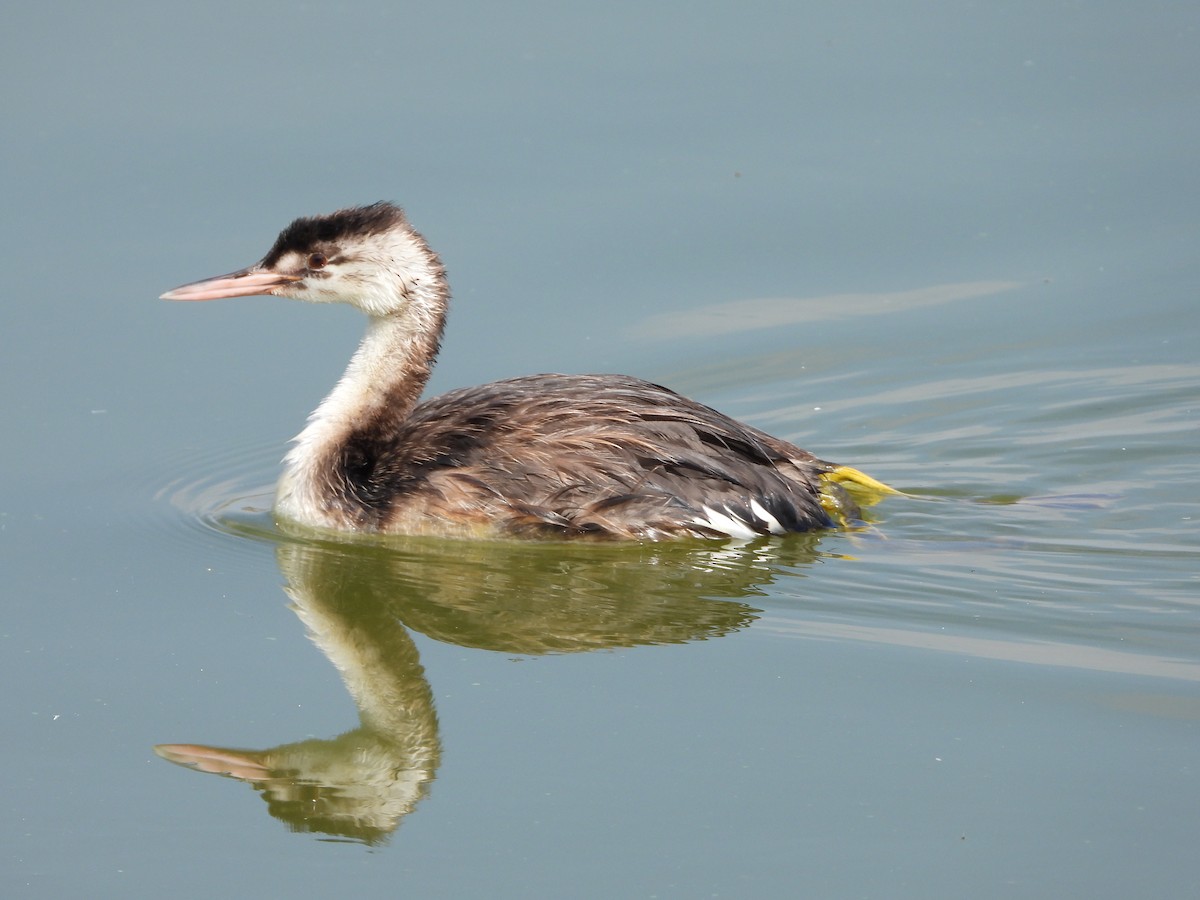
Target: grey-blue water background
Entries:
(954, 244)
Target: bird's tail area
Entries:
(846, 490)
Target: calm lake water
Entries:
(954, 245)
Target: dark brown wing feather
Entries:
(581, 454)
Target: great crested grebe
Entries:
(542, 455)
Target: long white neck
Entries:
(390, 358)
(378, 390)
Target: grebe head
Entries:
(368, 257)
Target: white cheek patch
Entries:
(386, 271)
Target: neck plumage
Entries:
(377, 392)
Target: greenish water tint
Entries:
(955, 250)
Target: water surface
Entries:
(952, 245)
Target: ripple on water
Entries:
(220, 492)
(1042, 522)
(1048, 519)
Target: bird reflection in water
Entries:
(358, 602)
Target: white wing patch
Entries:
(769, 520)
(740, 524)
(725, 523)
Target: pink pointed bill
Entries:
(243, 764)
(245, 283)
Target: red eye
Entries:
(317, 260)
